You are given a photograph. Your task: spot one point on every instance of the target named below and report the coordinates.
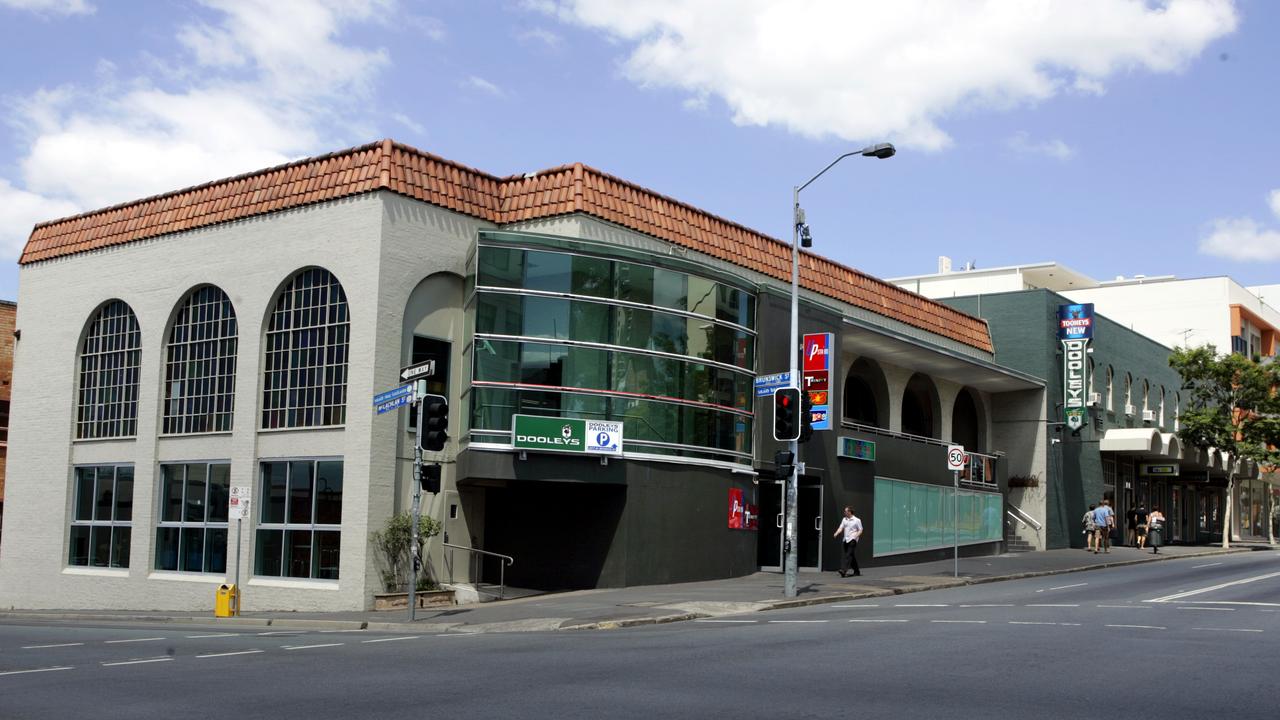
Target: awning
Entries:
(1143, 441)
(1171, 446)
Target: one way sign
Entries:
(424, 369)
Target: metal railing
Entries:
(474, 563)
(1021, 516)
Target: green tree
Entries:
(1231, 406)
(396, 542)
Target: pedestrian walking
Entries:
(851, 528)
(1105, 520)
(1140, 517)
(1131, 527)
(1090, 529)
(1155, 529)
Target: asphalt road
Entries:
(1184, 638)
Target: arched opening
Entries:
(307, 343)
(110, 356)
(200, 364)
(920, 407)
(866, 394)
(967, 423)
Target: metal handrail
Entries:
(476, 553)
(1022, 517)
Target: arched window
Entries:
(108, 401)
(1160, 415)
(920, 407)
(1128, 393)
(866, 394)
(1111, 376)
(1146, 395)
(308, 336)
(1177, 411)
(200, 365)
(967, 425)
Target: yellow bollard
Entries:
(227, 601)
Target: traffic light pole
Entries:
(790, 568)
(417, 497)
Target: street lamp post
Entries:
(790, 561)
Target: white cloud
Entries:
(1022, 143)
(894, 69)
(476, 82)
(1245, 239)
(540, 35)
(50, 7)
(248, 95)
(20, 211)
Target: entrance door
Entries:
(773, 522)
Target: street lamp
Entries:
(800, 232)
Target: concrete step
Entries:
(1017, 545)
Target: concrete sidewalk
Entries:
(653, 604)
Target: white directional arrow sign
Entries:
(424, 369)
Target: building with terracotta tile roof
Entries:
(599, 345)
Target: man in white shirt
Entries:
(851, 526)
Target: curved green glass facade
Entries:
(572, 330)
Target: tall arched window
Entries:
(1128, 393)
(1111, 376)
(1161, 406)
(305, 381)
(108, 401)
(1177, 411)
(200, 365)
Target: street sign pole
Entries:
(420, 392)
(955, 523)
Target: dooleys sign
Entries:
(1075, 328)
(569, 435)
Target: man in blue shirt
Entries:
(1104, 518)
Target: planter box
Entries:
(400, 600)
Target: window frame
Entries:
(285, 393)
(94, 523)
(182, 524)
(285, 526)
(109, 375)
(225, 366)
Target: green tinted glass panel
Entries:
(500, 267)
(882, 537)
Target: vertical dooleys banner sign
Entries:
(1075, 329)
(816, 377)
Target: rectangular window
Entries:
(299, 519)
(191, 535)
(102, 517)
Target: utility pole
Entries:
(420, 391)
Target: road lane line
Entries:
(1241, 602)
(1205, 608)
(1064, 587)
(1229, 630)
(1070, 624)
(798, 621)
(392, 639)
(991, 605)
(137, 662)
(37, 670)
(1027, 622)
(1197, 567)
(227, 654)
(133, 640)
(1140, 627)
(859, 620)
(41, 647)
(342, 631)
(1189, 593)
(308, 647)
(975, 622)
(1049, 605)
(920, 605)
(212, 635)
(281, 632)
(1127, 607)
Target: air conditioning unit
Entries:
(1095, 399)
(1130, 410)
(1148, 416)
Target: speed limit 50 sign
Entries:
(956, 459)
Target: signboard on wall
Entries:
(856, 449)
(741, 515)
(1075, 329)
(567, 435)
(815, 377)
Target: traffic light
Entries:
(784, 464)
(435, 414)
(806, 418)
(786, 406)
(431, 479)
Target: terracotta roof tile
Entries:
(429, 178)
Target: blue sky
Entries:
(1115, 136)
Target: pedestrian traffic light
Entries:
(435, 418)
(784, 464)
(430, 478)
(806, 418)
(786, 406)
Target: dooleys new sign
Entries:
(570, 435)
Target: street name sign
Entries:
(766, 384)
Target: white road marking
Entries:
(1231, 602)
(1026, 622)
(1064, 587)
(282, 632)
(41, 647)
(308, 647)
(1070, 624)
(1197, 567)
(137, 662)
(392, 639)
(1205, 608)
(991, 605)
(1127, 607)
(797, 621)
(213, 635)
(1228, 630)
(975, 622)
(342, 631)
(879, 621)
(113, 642)
(1189, 593)
(714, 621)
(37, 670)
(920, 605)
(1049, 605)
(1139, 627)
(227, 654)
